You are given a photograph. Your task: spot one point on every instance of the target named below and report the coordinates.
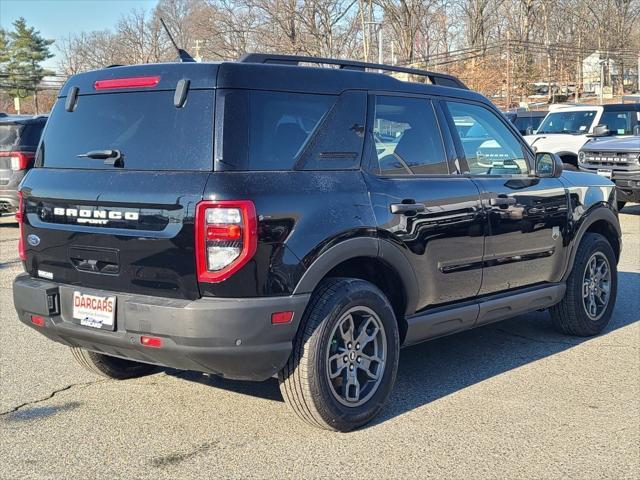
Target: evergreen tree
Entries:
(26, 50)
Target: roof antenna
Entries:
(182, 54)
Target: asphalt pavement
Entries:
(512, 400)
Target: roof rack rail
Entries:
(441, 79)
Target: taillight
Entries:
(131, 82)
(20, 219)
(226, 238)
(18, 160)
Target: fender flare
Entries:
(362, 247)
(589, 218)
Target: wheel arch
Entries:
(374, 260)
(599, 220)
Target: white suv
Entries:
(566, 128)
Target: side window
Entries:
(279, 126)
(489, 146)
(337, 142)
(259, 130)
(407, 137)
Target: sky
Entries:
(58, 18)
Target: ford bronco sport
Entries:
(267, 217)
(617, 159)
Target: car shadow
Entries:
(631, 209)
(440, 367)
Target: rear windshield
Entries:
(9, 135)
(522, 123)
(144, 127)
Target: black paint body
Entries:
(461, 247)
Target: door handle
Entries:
(407, 208)
(502, 201)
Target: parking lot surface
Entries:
(510, 400)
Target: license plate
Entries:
(95, 312)
(604, 172)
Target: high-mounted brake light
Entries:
(131, 82)
(226, 238)
(18, 160)
(20, 219)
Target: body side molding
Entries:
(442, 321)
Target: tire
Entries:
(571, 315)
(569, 167)
(621, 205)
(111, 367)
(305, 380)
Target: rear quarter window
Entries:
(146, 127)
(260, 130)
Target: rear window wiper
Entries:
(111, 157)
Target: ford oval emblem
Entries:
(33, 240)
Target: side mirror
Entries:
(636, 131)
(600, 131)
(529, 130)
(548, 165)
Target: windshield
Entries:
(575, 123)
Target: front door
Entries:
(433, 216)
(526, 215)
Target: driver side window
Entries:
(489, 146)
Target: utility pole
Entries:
(380, 43)
(377, 25)
(508, 70)
(601, 81)
(198, 57)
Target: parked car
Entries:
(19, 137)
(526, 121)
(617, 159)
(567, 128)
(260, 217)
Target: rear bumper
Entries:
(9, 200)
(233, 338)
(9, 189)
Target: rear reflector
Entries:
(37, 320)
(281, 317)
(153, 342)
(132, 82)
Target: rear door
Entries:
(125, 225)
(420, 202)
(527, 215)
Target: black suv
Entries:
(19, 137)
(266, 217)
